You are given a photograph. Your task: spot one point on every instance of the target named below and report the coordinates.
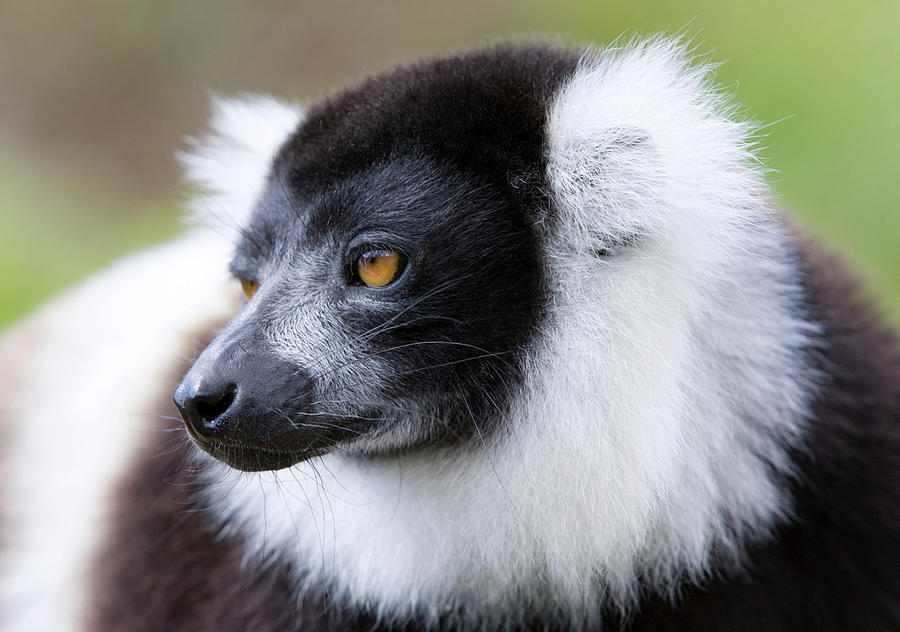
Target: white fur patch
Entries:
(664, 393)
(88, 393)
(230, 164)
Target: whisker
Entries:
(345, 387)
(378, 352)
(378, 329)
(283, 189)
(488, 454)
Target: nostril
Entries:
(211, 407)
(203, 406)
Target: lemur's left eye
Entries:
(378, 268)
(249, 287)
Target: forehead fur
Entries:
(484, 112)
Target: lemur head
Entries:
(549, 285)
(394, 267)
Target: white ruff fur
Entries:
(665, 390)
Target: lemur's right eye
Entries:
(249, 287)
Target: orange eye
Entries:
(378, 268)
(249, 288)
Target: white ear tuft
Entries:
(641, 140)
(229, 164)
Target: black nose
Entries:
(204, 407)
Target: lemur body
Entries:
(604, 385)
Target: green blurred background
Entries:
(95, 96)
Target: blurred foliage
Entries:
(52, 231)
(97, 94)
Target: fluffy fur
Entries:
(669, 449)
(230, 164)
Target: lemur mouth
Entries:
(252, 458)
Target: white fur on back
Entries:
(92, 370)
(229, 165)
(669, 380)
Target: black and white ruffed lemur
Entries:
(523, 345)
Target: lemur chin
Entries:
(523, 345)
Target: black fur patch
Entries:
(483, 113)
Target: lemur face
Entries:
(391, 310)
(394, 277)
